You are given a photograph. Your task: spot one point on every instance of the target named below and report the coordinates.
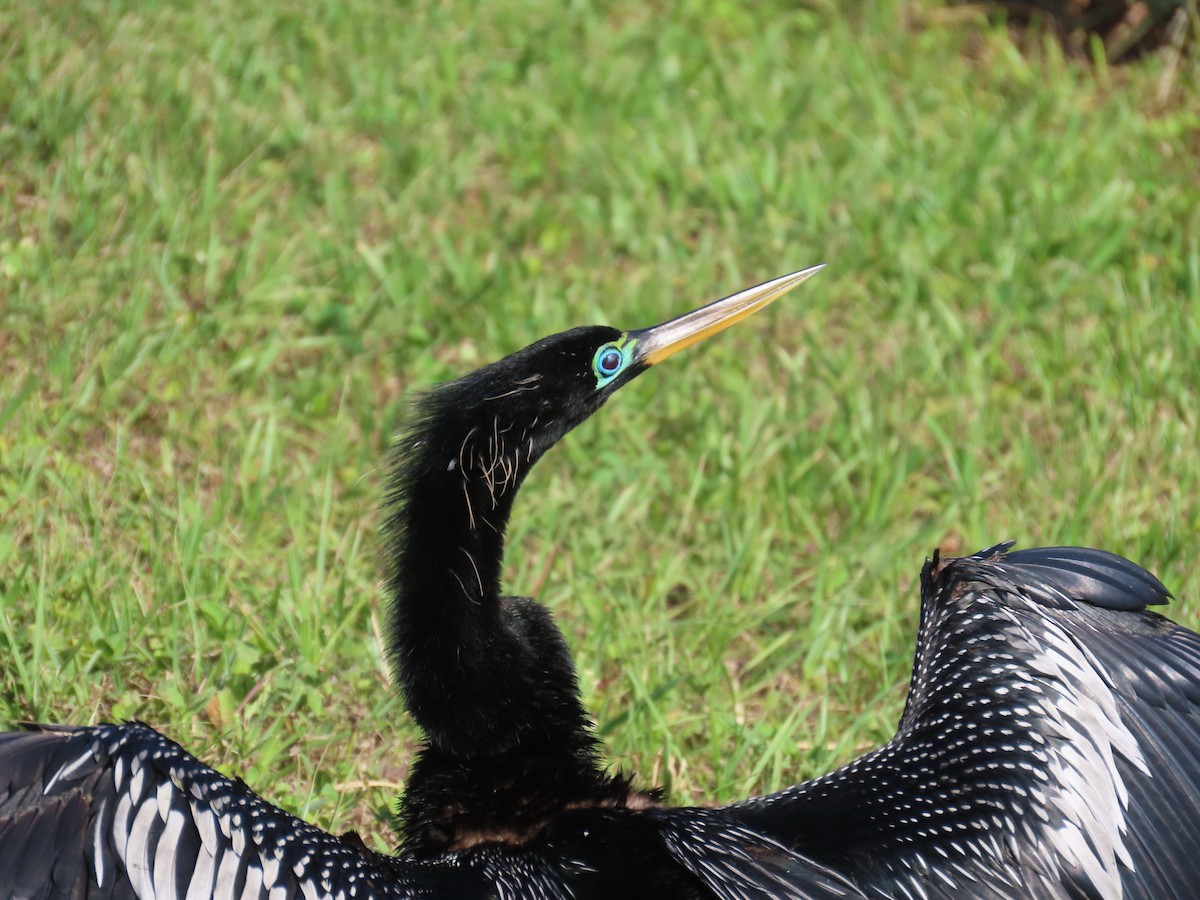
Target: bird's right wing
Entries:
(119, 811)
(1049, 747)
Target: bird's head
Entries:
(526, 402)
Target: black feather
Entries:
(1088, 576)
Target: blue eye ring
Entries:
(611, 359)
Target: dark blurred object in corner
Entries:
(1126, 28)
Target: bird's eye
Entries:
(612, 359)
(609, 362)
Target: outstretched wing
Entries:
(1050, 745)
(119, 811)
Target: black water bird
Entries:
(1049, 746)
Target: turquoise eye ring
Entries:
(608, 361)
(611, 359)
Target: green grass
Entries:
(235, 238)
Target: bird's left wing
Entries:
(119, 811)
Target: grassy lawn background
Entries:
(235, 238)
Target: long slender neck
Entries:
(488, 678)
(480, 673)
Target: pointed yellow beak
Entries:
(657, 343)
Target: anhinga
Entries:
(1050, 745)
